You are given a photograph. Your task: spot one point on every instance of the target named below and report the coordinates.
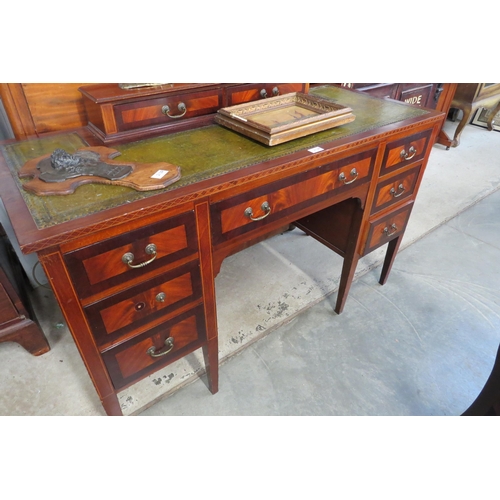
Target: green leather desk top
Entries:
(201, 154)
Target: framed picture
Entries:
(481, 119)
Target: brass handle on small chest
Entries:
(263, 92)
(265, 207)
(128, 258)
(408, 156)
(169, 344)
(354, 175)
(401, 190)
(181, 107)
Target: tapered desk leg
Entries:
(112, 406)
(348, 270)
(392, 250)
(211, 356)
(351, 258)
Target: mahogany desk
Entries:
(352, 188)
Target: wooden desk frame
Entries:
(351, 215)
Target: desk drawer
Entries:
(125, 313)
(253, 92)
(170, 341)
(396, 189)
(405, 151)
(97, 267)
(279, 199)
(161, 110)
(391, 226)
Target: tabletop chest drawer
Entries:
(115, 261)
(404, 151)
(161, 110)
(155, 348)
(279, 199)
(253, 92)
(125, 313)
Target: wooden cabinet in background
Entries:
(471, 96)
(436, 96)
(17, 319)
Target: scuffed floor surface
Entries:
(424, 344)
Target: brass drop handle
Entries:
(408, 156)
(401, 190)
(169, 343)
(128, 258)
(394, 230)
(354, 174)
(275, 91)
(265, 207)
(181, 107)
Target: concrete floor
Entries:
(423, 344)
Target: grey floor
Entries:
(423, 344)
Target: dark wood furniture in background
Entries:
(469, 97)
(352, 188)
(436, 96)
(487, 402)
(17, 319)
(419, 94)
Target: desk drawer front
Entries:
(163, 110)
(405, 151)
(98, 267)
(124, 313)
(387, 228)
(170, 341)
(253, 92)
(258, 207)
(396, 189)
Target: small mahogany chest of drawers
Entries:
(123, 114)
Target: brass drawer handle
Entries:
(169, 343)
(265, 207)
(408, 156)
(263, 92)
(354, 174)
(128, 258)
(181, 107)
(401, 190)
(394, 230)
